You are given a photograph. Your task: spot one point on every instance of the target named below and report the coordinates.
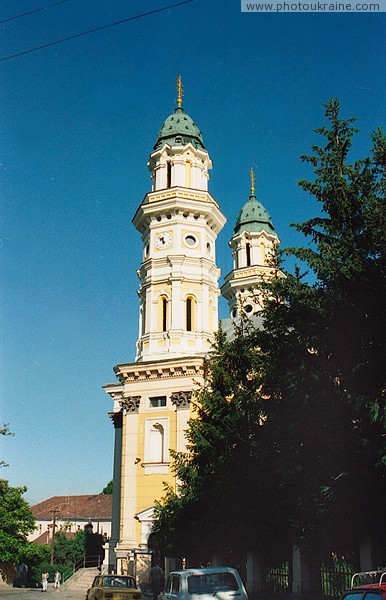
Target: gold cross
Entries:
(252, 175)
(180, 90)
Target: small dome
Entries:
(253, 218)
(179, 130)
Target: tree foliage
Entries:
(68, 550)
(289, 434)
(4, 430)
(16, 521)
(108, 489)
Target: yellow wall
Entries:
(151, 487)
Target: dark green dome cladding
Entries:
(179, 130)
(253, 218)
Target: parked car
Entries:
(215, 583)
(113, 587)
(372, 586)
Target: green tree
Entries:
(347, 255)
(290, 422)
(325, 348)
(4, 430)
(227, 472)
(349, 259)
(108, 489)
(67, 551)
(16, 521)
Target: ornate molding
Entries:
(130, 404)
(153, 371)
(116, 418)
(181, 399)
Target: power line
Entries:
(72, 37)
(35, 10)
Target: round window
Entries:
(248, 308)
(191, 240)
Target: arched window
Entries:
(262, 253)
(248, 250)
(189, 313)
(168, 174)
(143, 328)
(163, 313)
(210, 315)
(155, 451)
(157, 447)
(188, 171)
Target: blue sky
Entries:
(78, 123)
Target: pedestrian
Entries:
(44, 581)
(157, 580)
(57, 580)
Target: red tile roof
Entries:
(96, 507)
(44, 538)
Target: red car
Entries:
(371, 585)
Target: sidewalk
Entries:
(11, 593)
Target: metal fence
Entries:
(277, 580)
(336, 578)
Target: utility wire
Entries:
(72, 37)
(35, 10)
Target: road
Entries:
(10, 593)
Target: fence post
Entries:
(254, 574)
(305, 577)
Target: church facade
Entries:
(153, 397)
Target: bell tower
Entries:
(179, 221)
(254, 244)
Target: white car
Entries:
(215, 583)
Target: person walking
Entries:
(57, 580)
(44, 581)
(157, 580)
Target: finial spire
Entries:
(180, 90)
(252, 176)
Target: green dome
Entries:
(253, 218)
(179, 130)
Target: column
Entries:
(109, 562)
(129, 488)
(306, 579)
(254, 573)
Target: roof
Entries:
(45, 537)
(375, 579)
(204, 570)
(253, 217)
(370, 586)
(230, 325)
(179, 130)
(72, 508)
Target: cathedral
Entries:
(179, 221)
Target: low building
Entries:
(70, 514)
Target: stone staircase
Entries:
(82, 579)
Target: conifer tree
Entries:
(288, 438)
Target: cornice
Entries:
(246, 235)
(199, 202)
(167, 369)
